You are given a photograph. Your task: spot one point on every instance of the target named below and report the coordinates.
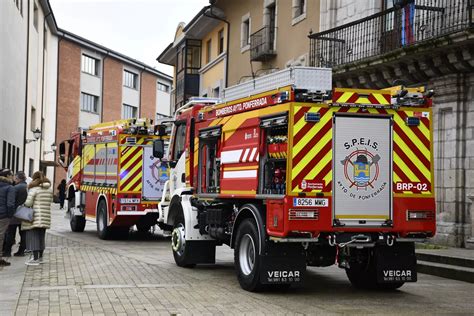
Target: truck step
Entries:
(449, 271)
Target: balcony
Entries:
(390, 40)
(262, 44)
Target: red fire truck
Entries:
(292, 173)
(113, 178)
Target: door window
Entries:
(180, 141)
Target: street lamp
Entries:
(53, 149)
(36, 134)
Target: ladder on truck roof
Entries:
(312, 79)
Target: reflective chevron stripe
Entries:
(98, 189)
(360, 96)
(312, 149)
(131, 164)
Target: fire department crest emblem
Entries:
(361, 169)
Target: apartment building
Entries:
(97, 84)
(28, 70)
(199, 56)
(230, 41)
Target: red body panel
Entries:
(401, 225)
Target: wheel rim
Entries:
(178, 240)
(247, 254)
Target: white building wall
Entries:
(34, 95)
(92, 85)
(49, 113)
(163, 99)
(12, 78)
(131, 96)
(338, 12)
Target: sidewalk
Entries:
(11, 282)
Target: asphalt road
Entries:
(86, 275)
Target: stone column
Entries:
(453, 149)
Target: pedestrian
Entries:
(62, 193)
(40, 197)
(21, 193)
(7, 206)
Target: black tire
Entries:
(364, 276)
(181, 250)
(77, 223)
(246, 256)
(103, 230)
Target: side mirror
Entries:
(158, 148)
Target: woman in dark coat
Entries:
(62, 193)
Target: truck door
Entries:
(362, 170)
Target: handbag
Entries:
(24, 213)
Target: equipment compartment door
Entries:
(362, 170)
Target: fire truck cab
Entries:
(292, 173)
(113, 176)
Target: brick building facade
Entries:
(96, 84)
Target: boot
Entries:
(4, 263)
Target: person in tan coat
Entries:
(40, 197)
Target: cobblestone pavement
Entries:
(85, 275)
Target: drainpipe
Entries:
(212, 16)
(140, 94)
(60, 38)
(42, 92)
(102, 91)
(26, 84)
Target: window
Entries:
(35, 17)
(45, 39)
(129, 111)
(388, 19)
(89, 103)
(220, 48)
(33, 119)
(245, 31)
(90, 65)
(300, 8)
(193, 62)
(299, 11)
(130, 79)
(31, 168)
(179, 141)
(4, 155)
(10, 156)
(19, 5)
(163, 87)
(216, 92)
(208, 51)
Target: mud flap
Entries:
(282, 264)
(396, 264)
(201, 252)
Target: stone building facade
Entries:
(434, 49)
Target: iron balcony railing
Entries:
(389, 30)
(262, 44)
